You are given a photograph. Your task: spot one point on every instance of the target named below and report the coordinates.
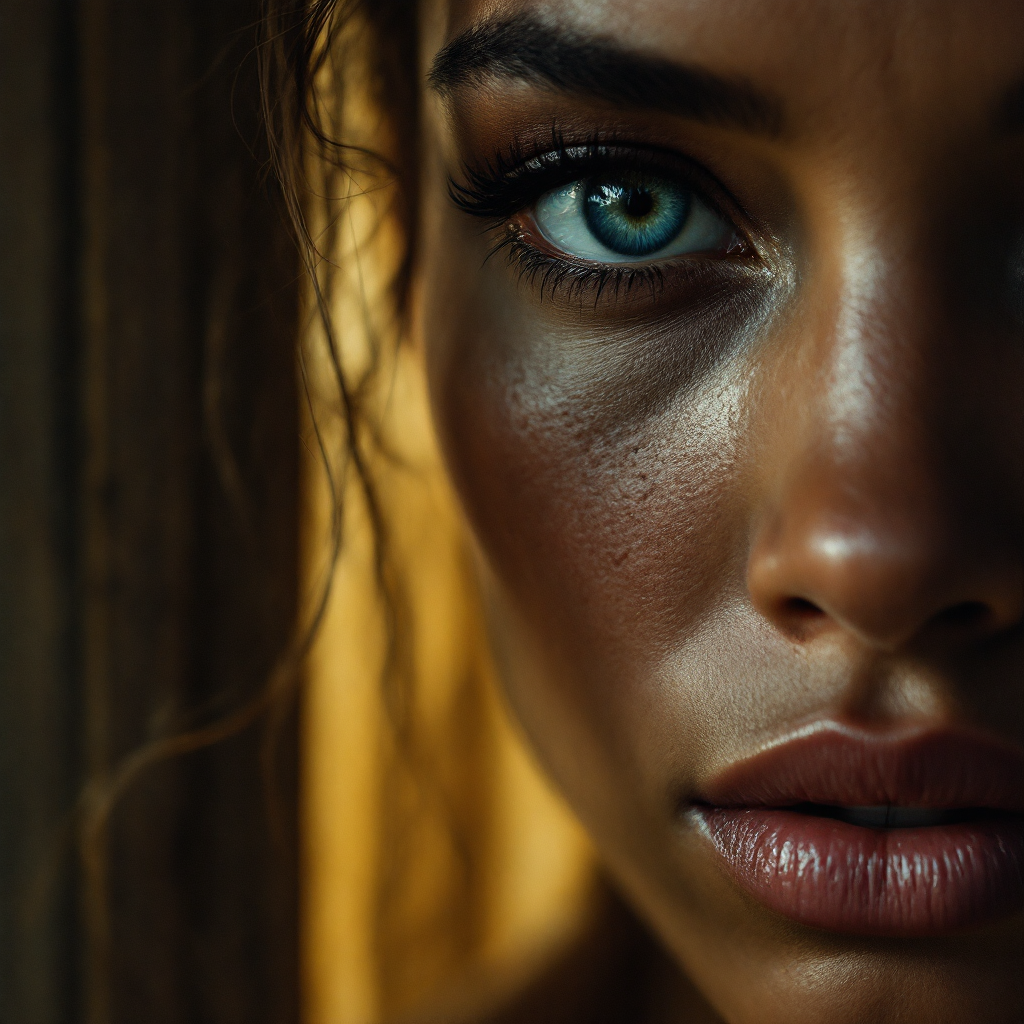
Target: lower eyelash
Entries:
(573, 280)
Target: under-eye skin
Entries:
(599, 218)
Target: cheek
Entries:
(601, 471)
(591, 522)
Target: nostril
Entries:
(966, 617)
(800, 618)
(801, 608)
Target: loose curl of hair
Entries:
(303, 43)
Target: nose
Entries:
(875, 560)
(872, 522)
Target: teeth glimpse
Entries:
(892, 817)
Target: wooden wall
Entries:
(148, 516)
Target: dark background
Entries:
(148, 517)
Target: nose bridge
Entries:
(874, 434)
(865, 524)
(869, 449)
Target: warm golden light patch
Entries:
(439, 869)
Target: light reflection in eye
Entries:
(629, 218)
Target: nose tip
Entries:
(887, 583)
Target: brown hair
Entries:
(372, 46)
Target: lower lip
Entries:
(832, 875)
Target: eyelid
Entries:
(514, 173)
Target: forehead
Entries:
(915, 60)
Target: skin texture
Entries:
(781, 489)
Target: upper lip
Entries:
(835, 765)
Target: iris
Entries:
(629, 217)
(635, 217)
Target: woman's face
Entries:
(724, 320)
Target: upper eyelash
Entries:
(515, 179)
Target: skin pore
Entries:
(775, 482)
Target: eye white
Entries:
(560, 216)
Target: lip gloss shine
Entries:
(833, 871)
(842, 877)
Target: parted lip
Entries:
(836, 765)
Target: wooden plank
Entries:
(38, 691)
(148, 518)
(189, 515)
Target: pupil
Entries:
(639, 203)
(635, 217)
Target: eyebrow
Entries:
(522, 49)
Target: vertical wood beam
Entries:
(148, 516)
(190, 512)
(38, 679)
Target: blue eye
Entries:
(635, 218)
(628, 219)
